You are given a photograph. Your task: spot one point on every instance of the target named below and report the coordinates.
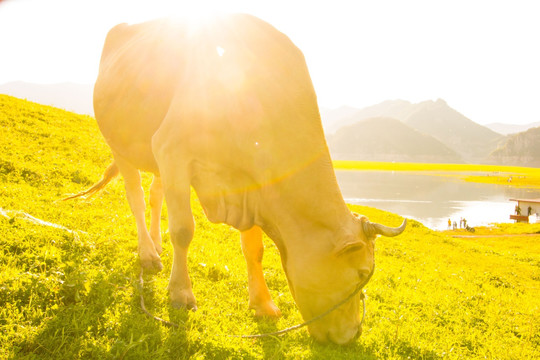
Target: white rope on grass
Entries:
(18, 214)
(357, 290)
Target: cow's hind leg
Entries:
(156, 201)
(148, 255)
(259, 296)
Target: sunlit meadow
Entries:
(71, 291)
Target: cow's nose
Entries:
(345, 339)
(320, 336)
(358, 333)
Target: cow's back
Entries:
(232, 96)
(244, 118)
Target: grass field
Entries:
(72, 292)
(490, 174)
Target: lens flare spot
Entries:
(220, 50)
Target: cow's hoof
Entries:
(266, 310)
(182, 299)
(181, 306)
(152, 266)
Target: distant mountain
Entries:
(68, 96)
(507, 129)
(519, 149)
(396, 109)
(473, 142)
(463, 139)
(329, 116)
(387, 139)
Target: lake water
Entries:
(432, 200)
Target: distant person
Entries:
(464, 223)
(529, 211)
(518, 210)
(455, 225)
(449, 224)
(461, 223)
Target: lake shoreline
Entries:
(435, 198)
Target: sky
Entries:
(481, 57)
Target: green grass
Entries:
(70, 295)
(516, 176)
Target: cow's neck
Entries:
(307, 207)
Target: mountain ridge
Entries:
(387, 139)
(509, 129)
(473, 142)
(519, 149)
(469, 139)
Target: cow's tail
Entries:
(110, 173)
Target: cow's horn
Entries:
(386, 230)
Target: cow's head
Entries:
(324, 275)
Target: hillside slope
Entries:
(387, 139)
(519, 149)
(69, 96)
(72, 291)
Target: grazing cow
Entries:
(226, 105)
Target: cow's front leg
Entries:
(259, 296)
(181, 227)
(148, 255)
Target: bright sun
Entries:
(197, 11)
